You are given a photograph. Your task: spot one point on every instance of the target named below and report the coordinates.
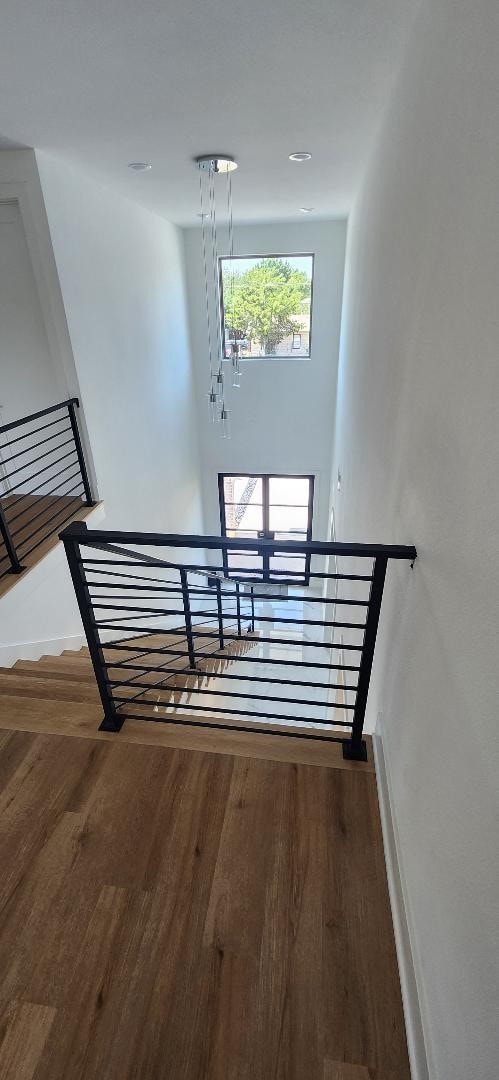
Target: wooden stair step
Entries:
(34, 672)
(53, 668)
(50, 689)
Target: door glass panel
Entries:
(243, 505)
(267, 507)
(289, 490)
(248, 486)
(288, 519)
(245, 564)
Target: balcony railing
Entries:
(43, 481)
(173, 639)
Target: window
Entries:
(266, 305)
(267, 507)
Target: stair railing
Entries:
(43, 481)
(159, 617)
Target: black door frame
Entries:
(265, 532)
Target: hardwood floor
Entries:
(39, 521)
(171, 914)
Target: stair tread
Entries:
(48, 689)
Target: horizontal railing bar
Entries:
(51, 500)
(143, 630)
(173, 719)
(44, 536)
(202, 672)
(37, 415)
(206, 570)
(53, 450)
(27, 450)
(212, 615)
(178, 669)
(257, 715)
(308, 547)
(49, 494)
(298, 574)
(34, 431)
(153, 688)
(134, 577)
(198, 590)
(51, 465)
(319, 665)
(123, 643)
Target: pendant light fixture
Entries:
(212, 166)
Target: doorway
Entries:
(267, 506)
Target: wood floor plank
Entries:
(191, 916)
(26, 1026)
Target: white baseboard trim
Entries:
(410, 997)
(33, 650)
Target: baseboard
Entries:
(408, 980)
(33, 650)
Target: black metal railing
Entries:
(173, 639)
(43, 480)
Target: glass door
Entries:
(272, 507)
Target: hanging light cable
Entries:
(212, 396)
(236, 369)
(213, 164)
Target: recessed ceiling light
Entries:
(139, 166)
(306, 209)
(300, 155)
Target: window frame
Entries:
(266, 573)
(266, 255)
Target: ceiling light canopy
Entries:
(216, 163)
(300, 155)
(139, 166)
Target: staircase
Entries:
(70, 676)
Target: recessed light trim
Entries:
(300, 155)
(307, 209)
(139, 166)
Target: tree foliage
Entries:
(262, 303)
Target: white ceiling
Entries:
(105, 82)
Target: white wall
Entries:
(121, 274)
(417, 445)
(122, 279)
(29, 379)
(280, 417)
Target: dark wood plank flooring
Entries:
(168, 914)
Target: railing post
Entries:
(111, 721)
(90, 501)
(238, 609)
(187, 617)
(220, 614)
(15, 565)
(355, 748)
(252, 610)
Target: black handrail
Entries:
(314, 547)
(202, 634)
(30, 513)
